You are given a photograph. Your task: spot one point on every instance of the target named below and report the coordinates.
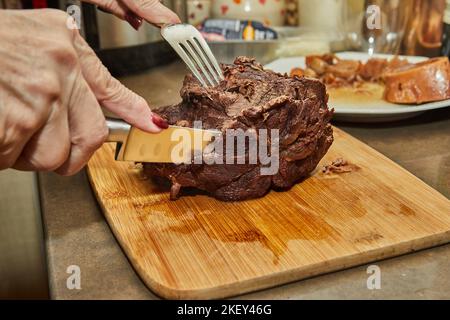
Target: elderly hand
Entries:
(51, 88)
(134, 11)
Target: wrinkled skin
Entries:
(52, 88)
(134, 11)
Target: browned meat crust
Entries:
(252, 98)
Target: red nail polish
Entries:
(160, 122)
(133, 20)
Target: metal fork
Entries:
(188, 42)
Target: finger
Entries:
(152, 11)
(87, 127)
(119, 10)
(49, 148)
(110, 93)
(112, 6)
(16, 128)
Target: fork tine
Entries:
(188, 42)
(187, 60)
(207, 51)
(206, 60)
(200, 61)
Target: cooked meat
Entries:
(334, 72)
(317, 64)
(297, 72)
(251, 98)
(395, 63)
(345, 69)
(373, 69)
(340, 165)
(405, 83)
(419, 83)
(328, 58)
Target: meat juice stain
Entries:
(350, 205)
(298, 223)
(402, 210)
(114, 194)
(332, 175)
(368, 238)
(228, 225)
(406, 211)
(189, 224)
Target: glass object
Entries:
(445, 50)
(377, 26)
(424, 31)
(324, 21)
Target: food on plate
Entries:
(418, 83)
(336, 72)
(401, 81)
(251, 98)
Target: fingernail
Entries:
(133, 20)
(160, 24)
(160, 122)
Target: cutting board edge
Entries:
(288, 276)
(276, 279)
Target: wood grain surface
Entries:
(200, 248)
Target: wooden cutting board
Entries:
(199, 247)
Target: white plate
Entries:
(375, 110)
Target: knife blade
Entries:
(172, 145)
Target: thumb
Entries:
(113, 95)
(152, 11)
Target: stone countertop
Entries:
(77, 234)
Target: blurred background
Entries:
(265, 29)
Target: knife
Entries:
(172, 145)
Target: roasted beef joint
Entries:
(251, 99)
